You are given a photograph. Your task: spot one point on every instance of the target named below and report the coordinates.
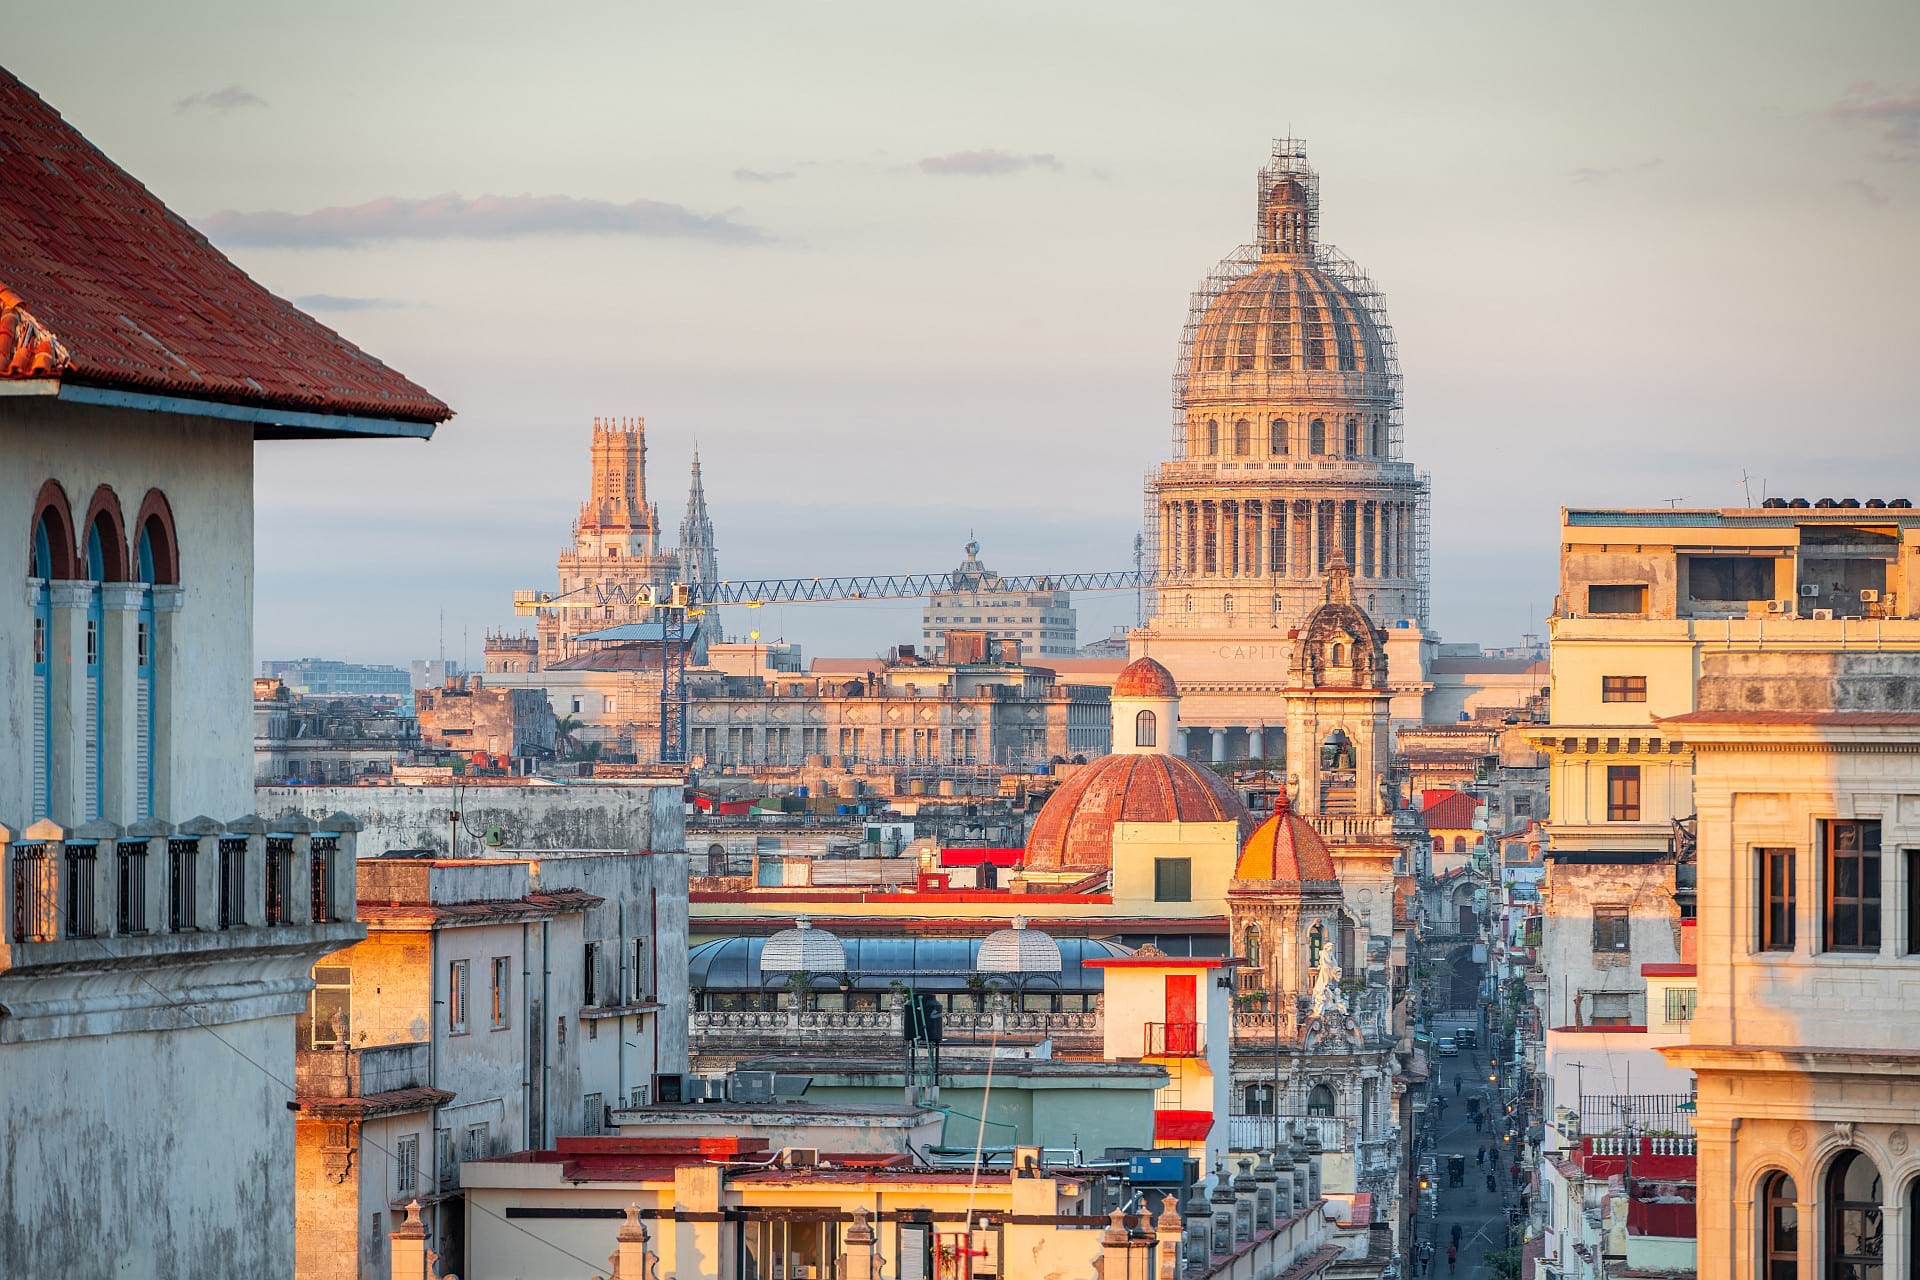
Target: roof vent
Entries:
(1826, 502)
(1799, 502)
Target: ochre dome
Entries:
(1286, 317)
(1145, 678)
(1285, 849)
(1074, 831)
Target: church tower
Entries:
(699, 560)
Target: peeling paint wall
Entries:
(574, 816)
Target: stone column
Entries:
(1255, 743)
(1284, 1204)
(407, 1247)
(1193, 537)
(205, 833)
(1313, 538)
(631, 1255)
(1181, 744)
(66, 712)
(1167, 1233)
(167, 640)
(1219, 754)
(1264, 1179)
(119, 689)
(1245, 1195)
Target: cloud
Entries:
(1868, 192)
(231, 98)
(1615, 171)
(339, 302)
(976, 164)
(1896, 115)
(450, 217)
(762, 175)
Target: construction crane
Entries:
(679, 602)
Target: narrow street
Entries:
(1479, 1213)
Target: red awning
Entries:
(978, 857)
(1182, 1126)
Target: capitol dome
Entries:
(1074, 831)
(1286, 850)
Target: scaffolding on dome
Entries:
(1362, 372)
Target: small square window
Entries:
(1173, 879)
(1612, 929)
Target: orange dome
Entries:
(1145, 678)
(1074, 831)
(1286, 849)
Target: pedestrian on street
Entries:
(1480, 1155)
(1476, 1122)
(1453, 1256)
(1492, 1183)
(1456, 1086)
(1456, 1235)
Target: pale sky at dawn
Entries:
(907, 271)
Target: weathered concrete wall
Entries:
(206, 472)
(601, 815)
(1784, 681)
(119, 1161)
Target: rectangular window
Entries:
(1913, 901)
(1774, 874)
(593, 1113)
(1617, 599)
(1623, 688)
(406, 1159)
(1611, 931)
(1173, 880)
(1623, 793)
(1681, 1002)
(642, 970)
(1853, 885)
(133, 886)
(502, 990)
(79, 869)
(233, 884)
(182, 855)
(331, 1006)
(474, 1147)
(457, 998)
(590, 975)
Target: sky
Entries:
(910, 272)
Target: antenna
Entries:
(1746, 486)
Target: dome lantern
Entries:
(803, 949)
(1018, 950)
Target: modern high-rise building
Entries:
(1042, 621)
(1287, 456)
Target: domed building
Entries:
(1141, 782)
(1288, 452)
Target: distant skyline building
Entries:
(1287, 459)
(331, 678)
(1043, 621)
(616, 565)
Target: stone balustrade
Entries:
(355, 1073)
(67, 889)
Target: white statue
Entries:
(1328, 998)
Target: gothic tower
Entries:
(699, 560)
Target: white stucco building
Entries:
(155, 938)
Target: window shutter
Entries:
(143, 746)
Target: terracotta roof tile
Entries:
(1448, 810)
(1285, 849)
(1075, 826)
(101, 284)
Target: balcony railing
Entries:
(354, 1073)
(103, 880)
(1248, 1132)
(1173, 1040)
(816, 1025)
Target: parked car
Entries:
(1449, 1047)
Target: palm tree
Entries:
(566, 731)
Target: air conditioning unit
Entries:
(800, 1157)
(1809, 590)
(1869, 596)
(668, 1090)
(750, 1086)
(1823, 615)
(1779, 606)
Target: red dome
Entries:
(1286, 849)
(1074, 831)
(1145, 678)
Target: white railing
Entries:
(1256, 1133)
(892, 1021)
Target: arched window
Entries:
(1779, 1229)
(1146, 727)
(106, 538)
(1317, 437)
(1259, 1100)
(1459, 844)
(1339, 655)
(1277, 437)
(1189, 604)
(1856, 1235)
(1316, 939)
(1379, 439)
(155, 526)
(1242, 438)
(1320, 1101)
(1213, 438)
(1353, 437)
(53, 540)
(49, 557)
(1252, 948)
(1226, 605)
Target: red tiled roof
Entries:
(103, 285)
(1448, 810)
(392, 1102)
(1145, 678)
(1285, 849)
(1075, 826)
(535, 906)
